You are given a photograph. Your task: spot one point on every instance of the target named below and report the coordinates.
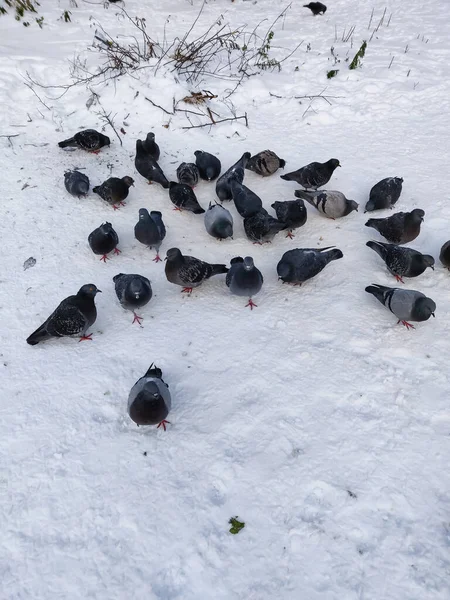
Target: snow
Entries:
(314, 418)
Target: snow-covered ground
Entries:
(314, 418)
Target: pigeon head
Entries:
(128, 181)
(151, 391)
(105, 139)
(143, 214)
(150, 137)
(370, 206)
(248, 263)
(333, 163)
(174, 254)
(283, 269)
(89, 290)
(428, 260)
(105, 228)
(172, 184)
(246, 157)
(351, 206)
(156, 214)
(198, 152)
(423, 309)
(417, 215)
(136, 288)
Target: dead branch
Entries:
(106, 118)
(157, 106)
(217, 122)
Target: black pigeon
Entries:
(88, 139)
(147, 166)
(330, 203)
(298, 265)
(262, 227)
(247, 203)
(208, 165)
(316, 8)
(76, 183)
(235, 173)
(150, 230)
(314, 175)
(400, 228)
(292, 213)
(104, 240)
(218, 222)
(149, 401)
(73, 316)
(265, 163)
(189, 272)
(133, 291)
(444, 255)
(244, 279)
(151, 147)
(406, 305)
(184, 198)
(114, 190)
(384, 194)
(188, 174)
(402, 262)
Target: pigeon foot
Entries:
(137, 318)
(406, 324)
(85, 337)
(251, 304)
(163, 424)
(187, 290)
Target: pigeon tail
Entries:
(308, 196)
(335, 254)
(379, 248)
(287, 177)
(282, 163)
(198, 211)
(218, 269)
(65, 143)
(39, 335)
(96, 189)
(378, 291)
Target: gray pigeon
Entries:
(406, 305)
(247, 203)
(147, 166)
(244, 279)
(150, 230)
(292, 213)
(76, 183)
(114, 190)
(402, 262)
(265, 163)
(331, 204)
(133, 291)
(444, 255)
(399, 228)
(73, 316)
(208, 165)
(149, 401)
(104, 240)
(317, 8)
(218, 222)
(262, 227)
(188, 174)
(384, 194)
(235, 173)
(151, 147)
(184, 198)
(298, 265)
(314, 175)
(189, 272)
(88, 139)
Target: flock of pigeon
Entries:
(149, 400)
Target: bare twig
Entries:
(37, 96)
(13, 135)
(106, 117)
(157, 106)
(221, 121)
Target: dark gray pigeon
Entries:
(104, 240)
(151, 147)
(331, 204)
(402, 262)
(444, 255)
(73, 316)
(384, 194)
(150, 230)
(148, 167)
(188, 174)
(247, 203)
(218, 222)
(208, 165)
(189, 272)
(134, 291)
(88, 139)
(244, 279)
(406, 305)
(298, 265)
(114, 190)
(265, 163)
(292, 213)
(262, 227)
(235, 173)
(184, 198)
(399, 228)
(314, 175)
(76, 183)
(149, 401)
(317, 8)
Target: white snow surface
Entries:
(314, 418)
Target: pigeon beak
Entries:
(432, 267)
(433, 314)
(99, 291)
(165, 258)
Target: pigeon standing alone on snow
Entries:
(444, 255)
(208, 165)
(331, 204)
(292, 213)
(76, 183)
(262, 227)
(218, 222)
(316, 8)
(188, 174)
(314, 175)
(184, 198)
(244, 279)
(402, 262)
(88, 139)
(301, 264)
(400, 228)
(406, 305)
(73, 316)
(265, 163)
(189, 272)
(147, 166)
(149, 401)
(114, 190)
(247, 203)
(133, 291)
(150, 230)
(235, 173)
(384, 194)
(104, 240)
(151, 147)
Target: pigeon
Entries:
(234, 173)
(184, 198)
(150, 230)
(151, 147)
(218, 222)
(73, 316)
(316, 8)
(402, 262)
(314, 175)
(147, 166)
(292, 213)
(406, 305)
(298, 265)
(384, 194)
(188, 174)
(262, 227)
(149, 401)
(208, 165)
(88, 139)
(244, 279)
(265, 163)
(76, 183)
(331, 204)
(444, 255)
(247, 203)
(133, 291)
(189, 272)
(114, 190)
(104, 240)
(401, 227)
